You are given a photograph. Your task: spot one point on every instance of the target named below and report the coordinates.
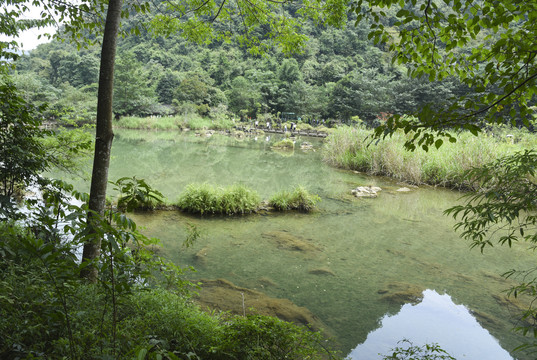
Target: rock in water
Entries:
(286, 240)
(366, 191)
(223, 295)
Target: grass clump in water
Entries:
(284, 144)
(298, 199)
(207, 199)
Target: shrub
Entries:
(136, 194)
(204, 198)
(298, 199)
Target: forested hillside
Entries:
(339, 75)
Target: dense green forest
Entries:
(339, 75)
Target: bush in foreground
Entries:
(298, 199)
(207, 199)
(48, 312)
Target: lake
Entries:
(378, 270)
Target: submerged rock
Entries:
(223, 295)
(266, 282)
(288, 241)
(322, 271)
(366, 191)
(401, 293)
(306, 146)
(201, 256)
(403, 189)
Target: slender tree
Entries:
(103, 136)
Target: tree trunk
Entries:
(103, 138)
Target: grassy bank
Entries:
(193, 122)
(348, 148)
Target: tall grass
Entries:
(189, 121)
(207, 199)
(353, 148)
(298, 199)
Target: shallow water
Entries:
(370, 258)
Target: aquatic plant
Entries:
(207, 199)
(284, 144)
(298, 199)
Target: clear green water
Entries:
(395, 241)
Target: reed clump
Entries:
(298, 199)
(355, 149)
(208, 199)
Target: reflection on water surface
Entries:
(365, 259)
(436, 319)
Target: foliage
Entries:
(263, 337)
(132, 95)
(483, 44)
(325, 82)
(298, 199)
(22, 154)
(47, 311)
(45, 256)
(409, 351)
(136, 194)
(193, 122)
(207, 199)
(504, 203)
(503, 210)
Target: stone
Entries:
(402, 293)
(223, 295)
(287, 241)
(366, 191)
(322, 271)
(306, 146)
(201, 255)
(403, 189)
